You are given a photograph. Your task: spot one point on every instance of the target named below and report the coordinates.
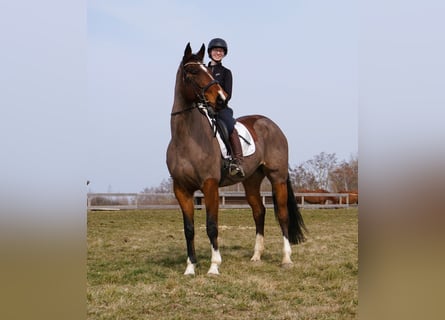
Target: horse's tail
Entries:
(296, 223)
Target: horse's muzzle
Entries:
(220, 103)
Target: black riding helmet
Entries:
(217, 43)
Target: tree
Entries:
(301, 178)
(166, 186)
(314, 173)
(320, 172)
(345, 176)
(321, 166)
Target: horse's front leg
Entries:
(211, 198)
(185, 199)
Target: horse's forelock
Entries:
(192, 58)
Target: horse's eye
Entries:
(191, 70)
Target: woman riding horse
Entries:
(217, 50)
(195, 163)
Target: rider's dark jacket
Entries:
(224, 77)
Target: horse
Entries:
(195, 162)
(321, 199)
(352, 196)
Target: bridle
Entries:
(198, 90)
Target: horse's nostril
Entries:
(220, 103)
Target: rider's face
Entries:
(217, 54)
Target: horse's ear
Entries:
(188, 50)
(201, 52)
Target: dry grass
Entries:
(136, 261)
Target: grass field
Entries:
(136, 261)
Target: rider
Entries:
(217, 50)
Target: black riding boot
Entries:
(237, 155)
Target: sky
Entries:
(293, 61)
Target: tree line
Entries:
(323, 171)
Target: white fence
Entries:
(228, 199)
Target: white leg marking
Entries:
(287, 251)
(216, 261)
(190, 270)
(259, 248)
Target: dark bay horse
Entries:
(194, 161)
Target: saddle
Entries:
(222, 135)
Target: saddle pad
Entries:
(247, 143)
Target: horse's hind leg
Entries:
(185, 199)
(211, 198)
(282, 214)
(253, 196)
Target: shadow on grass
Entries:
(175, 259)
(171, 259)
(236, 252)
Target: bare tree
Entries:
(320, 172)
(314, 173)
(166, 186)
(301, 178)
(345, 176)
(321, 165)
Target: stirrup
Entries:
(236, 170)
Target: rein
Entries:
(203, 108)
(195, 105)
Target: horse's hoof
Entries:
(256, 260)
(213, 270)
(190, 270)
(213, 273)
